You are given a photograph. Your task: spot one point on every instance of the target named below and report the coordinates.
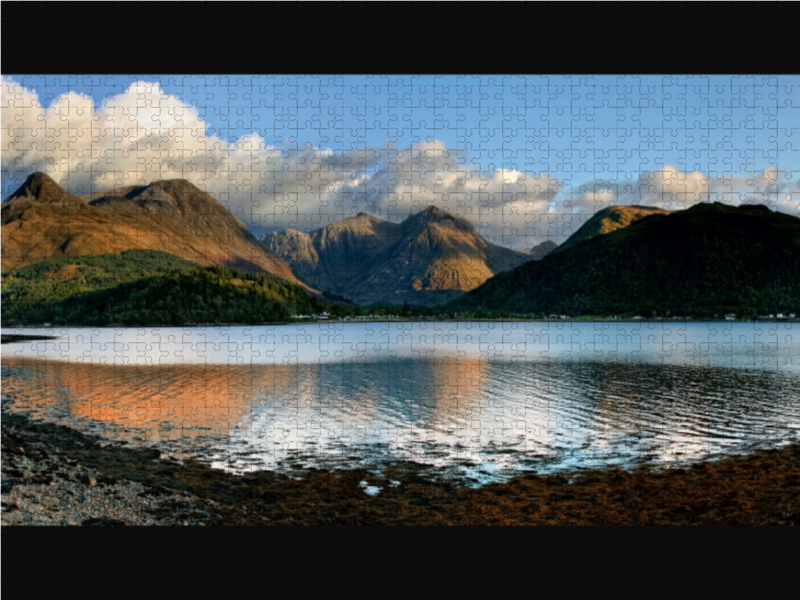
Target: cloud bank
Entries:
(145, 134)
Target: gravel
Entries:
(43, 488)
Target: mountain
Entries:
(610, 219)
(708, 260)
(43, 221)
(41, 291)
(430, 258)
(147, 287)
(332, 258)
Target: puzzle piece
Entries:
(155, 252)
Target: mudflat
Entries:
(55, 475)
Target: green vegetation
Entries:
(105, 270)
(143, 287)
(706, 261)
(148, 287)
(703, 262)
(52, 290)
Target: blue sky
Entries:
(580, 141)
(485, 114)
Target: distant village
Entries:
(325, 316)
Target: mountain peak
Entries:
(161, 195)
(362, 216)
(431, 257)
(661, 264)
(759, 207)
(708, 206)
(37, 181)
(42, 189)
(176, 186)
(610, 219)
(433, 212)
(41, 220)
(436, 219)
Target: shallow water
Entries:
(482, 399)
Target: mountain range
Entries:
(430, 258)
(708, 260)
(42, 221)
(102, 258)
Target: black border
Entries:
(396, 38)
(374, 561)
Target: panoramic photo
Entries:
(400, 300)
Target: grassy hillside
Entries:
(43, 221)
(145, 287)
(708, 260)
(610, 219)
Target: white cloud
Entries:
(777, 188)
(671, 188)
(770, 176)
(144, 134)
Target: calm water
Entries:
(480, 399)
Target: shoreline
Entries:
(54, 475)
(12, 338)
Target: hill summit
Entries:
(39, 188)
(708, 260)
(431, 257)
(610, 219)
(42, 221)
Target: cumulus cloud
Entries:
(670, 188)
(777, 188)
(145, 134)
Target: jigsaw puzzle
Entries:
(400, 299)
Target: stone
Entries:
(102, 522)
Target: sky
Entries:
(525, 158)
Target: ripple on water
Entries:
(476, 417)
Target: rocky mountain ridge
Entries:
(41, 220)
(430, 258)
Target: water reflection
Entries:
(145, 402)
(762, 346)
(475, 414)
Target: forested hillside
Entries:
(705, 261)
(143, 287)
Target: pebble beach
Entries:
(54, 475)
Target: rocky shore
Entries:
(53, 475)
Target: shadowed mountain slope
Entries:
(704, 261)
(610, 219)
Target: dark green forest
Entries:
(706, 261)
(143, 287)
(703, 262)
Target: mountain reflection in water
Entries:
(484, 413)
